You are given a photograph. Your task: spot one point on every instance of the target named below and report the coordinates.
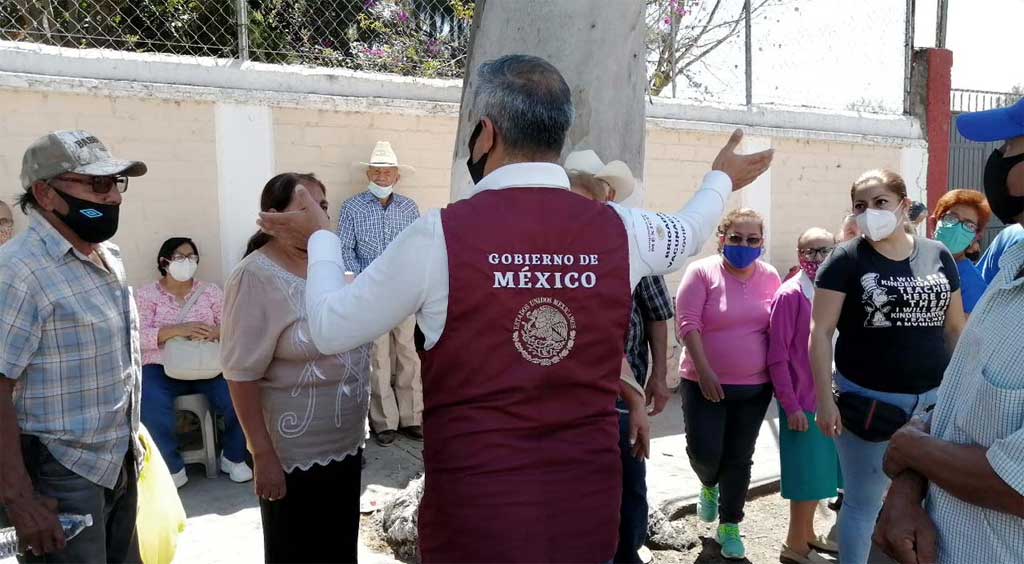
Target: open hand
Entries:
(294, 228)
(742, 169)
(657, 392)
(709, 386)
(640, 432)
(828, 418)
(268, 477)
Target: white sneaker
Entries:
(180, 478)
(239, 472)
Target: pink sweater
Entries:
(788, 338)
(731, 316)
(159, 308)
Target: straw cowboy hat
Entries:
(615, 173)
(383, 156)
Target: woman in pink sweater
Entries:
(722, 315)
(810, 466)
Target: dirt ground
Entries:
(764, 529)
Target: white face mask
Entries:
(381, 192)
(877, 224)
(183, 270)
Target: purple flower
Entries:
(369, 4)
(403, 17)
(433, 46)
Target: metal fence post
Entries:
(748, 48)
(242, 23)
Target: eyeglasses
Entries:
(951, 219)
(737, 239)
(182, 258)
(100, 184)
(820, 253)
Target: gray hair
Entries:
(528, 100)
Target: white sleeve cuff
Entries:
(324, 246)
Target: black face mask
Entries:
(997, 171)
(476, 170)
(94, 223)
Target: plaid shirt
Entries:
(651, 302)
(981, 402)
(69, 336)
(366, 227)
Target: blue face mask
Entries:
(741, 257)
(955, 236)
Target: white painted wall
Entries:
(758, 195)
(245, 161)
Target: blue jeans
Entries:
(158, 394)
(633, 513)
(863, 479)
(112, 537)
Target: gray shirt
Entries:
(314, 405)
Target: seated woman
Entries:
(160, 312)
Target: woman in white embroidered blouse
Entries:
(304, 413)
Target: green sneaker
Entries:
(732, 544)
(707, 507)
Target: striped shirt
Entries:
(69, 336)
(366, 227)
(981, 402)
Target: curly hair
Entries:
(737, 215)
(971, 198)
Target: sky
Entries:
(842, 54)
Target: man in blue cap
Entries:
(957, 493)
(1007, 125)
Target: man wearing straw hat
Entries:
(369, 222)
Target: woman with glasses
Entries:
(723, 311)
(810, 467)
(177, 306)
(959, 221)
(895, 299)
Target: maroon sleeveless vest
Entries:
(521, 433)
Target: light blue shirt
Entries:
(1007, 238)
(69, 337)
(972, 285)
(367, 227)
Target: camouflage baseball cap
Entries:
(72, 151)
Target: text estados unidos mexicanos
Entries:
(525, 277)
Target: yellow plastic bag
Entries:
(161, 516)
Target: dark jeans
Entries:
(158, 394)
(633, 514)
(720, 440)
(318, 518)
(112, 536)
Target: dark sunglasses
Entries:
(100, 184)
(737, 239)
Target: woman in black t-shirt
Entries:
(895, 299)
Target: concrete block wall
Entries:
(197, 187)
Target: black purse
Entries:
(870, 419)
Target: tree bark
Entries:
(599, 47)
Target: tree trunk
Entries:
(599, 49)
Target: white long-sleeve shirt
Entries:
(411, 277)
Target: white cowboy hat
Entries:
(383, 156)
(615, 173)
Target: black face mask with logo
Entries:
(94, 223)
(1007, 207)
(476, 169)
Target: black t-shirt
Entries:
(891, 328)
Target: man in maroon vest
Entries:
(522, 294)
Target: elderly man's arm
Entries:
(992, 477)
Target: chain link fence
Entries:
(412, 37)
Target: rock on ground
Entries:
(663, 534)
(398, 520)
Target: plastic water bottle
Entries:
(72, 524)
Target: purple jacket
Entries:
(789, 334)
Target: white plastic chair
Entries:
(207, 453)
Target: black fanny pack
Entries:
(870, 419)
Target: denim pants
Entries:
(633, 513)
(112, 536)
(864, 481)
(158, 394)
(720, 440)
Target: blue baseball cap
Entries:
(993, 125)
